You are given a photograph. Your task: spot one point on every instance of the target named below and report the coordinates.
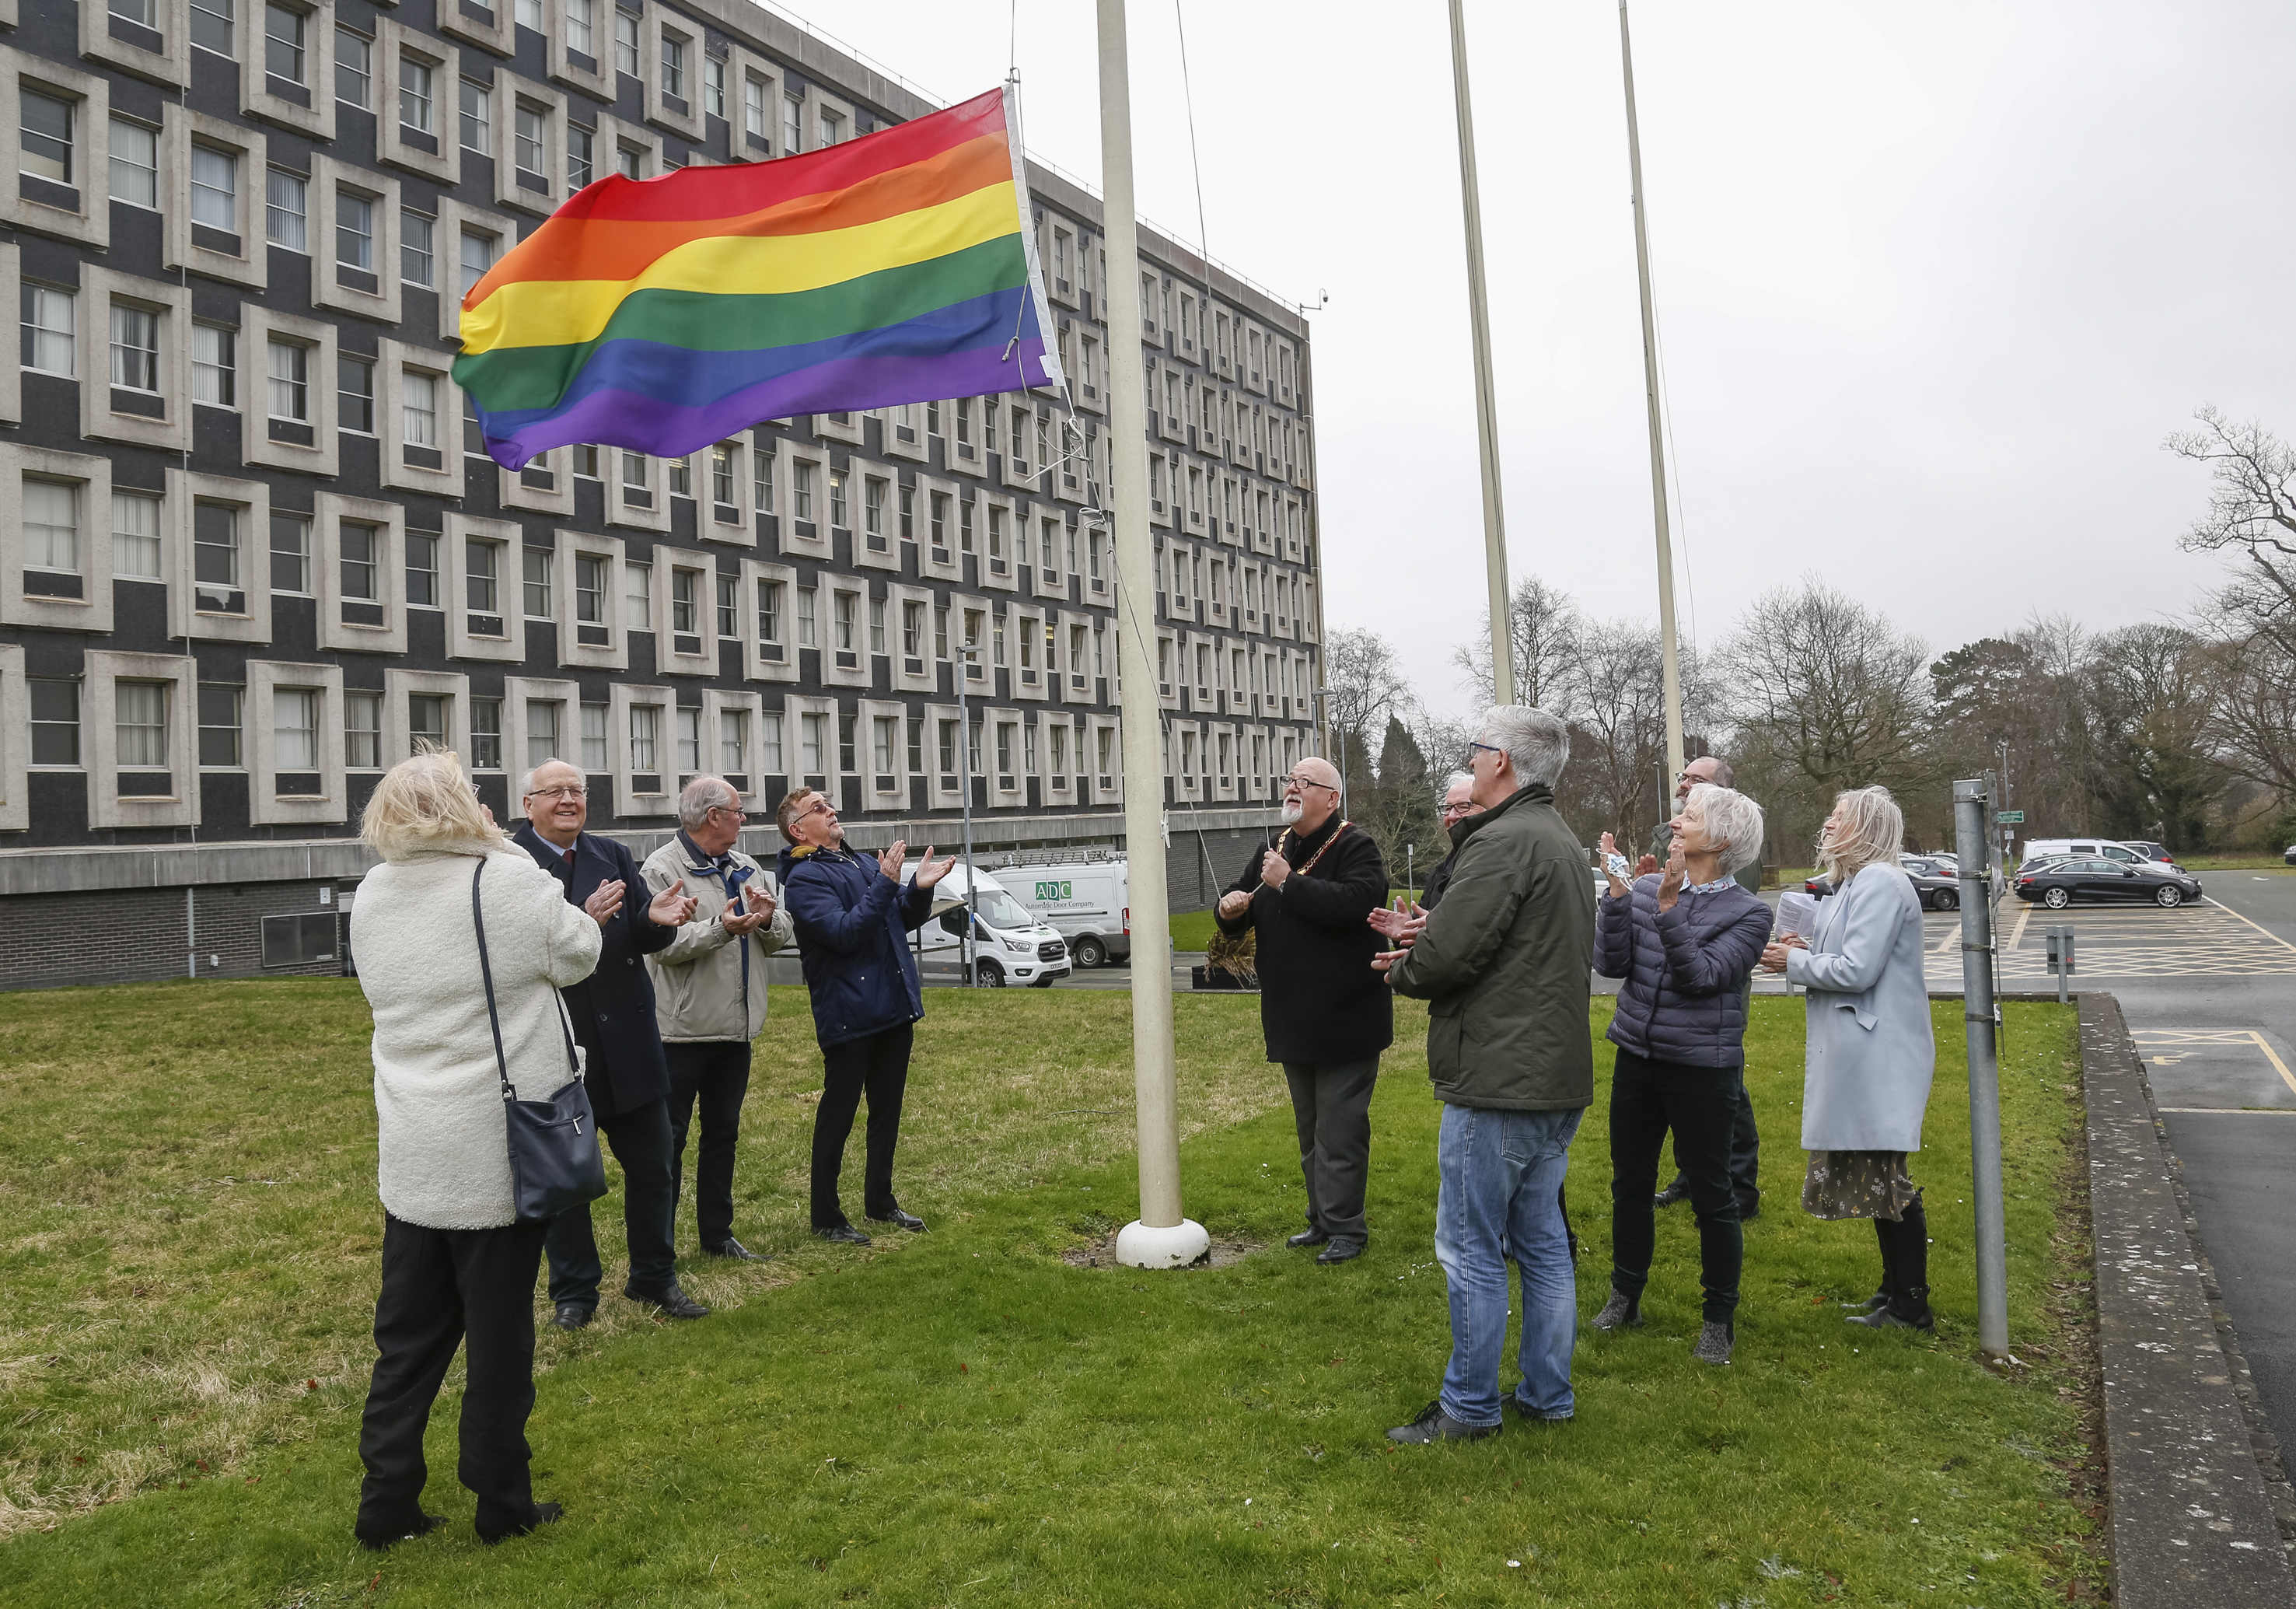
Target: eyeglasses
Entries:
(736, 811)
(1460, 809)
(567, 790)
(819, 807)
(1475, 749)
(1302, 782)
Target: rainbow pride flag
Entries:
(663, 314)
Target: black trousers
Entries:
(443, 1288)
(1647, 1098)
(640, 1139)
(878, 1065)
(715, 1075)
(1745, 1155)
(1331, 1105)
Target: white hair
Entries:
(1536, 744)
(1872, 828)
(1457, 779)
(703, 794)
(1732, 818)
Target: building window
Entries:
(479, 577)
(526, 140)
(541, 731)
(355, 395)
(877, 626)
(792, 124)
(733, 741)
(215, 188)
(537, 582)
(290, 552)
(414, 97)
(912, 628)
(593, 737)
(581, 38)
(219, 725)
(363, 731)
(422, 569)
(589, 589)
(51, 513)
(844, 604)
(215, 363)
(769, 744)
(139, 725)
(295, 728)
(806, 596)
(634, 472)
(769, 612)
(211, 26)
(289, 368)
(354, 68)
(478, 257)
(580, 147)
(629, 163)
(729, 606)
(713, 87)
(478, 117)
(414, 236)
(837, 513)
(673, 66)
(419, 408)
(282, 42)
(637, 596)
(356, 545)
(645, 722)
(134, 161)
(486, 734)
(47, 131)
(284, 203)
(426, 722)
(811, 742)
(721, 474)
(48, 330)
(626, 43)
(134, 347)
(55, 723)
(689, 741)
(355, 230)
(882, 741)
(135, 535)
(804, 491)
(753, 108)
(683, 606)
(832, 127)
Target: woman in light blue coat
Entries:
(1871, 1054)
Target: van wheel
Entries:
(1091, 952)
(988, 974)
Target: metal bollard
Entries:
(2062, 961)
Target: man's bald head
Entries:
(1311, 793)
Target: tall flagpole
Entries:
(1162, 1237)
(1487, 415)
(1670, 654)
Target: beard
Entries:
(1293, 811)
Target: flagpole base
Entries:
(1140, 1245)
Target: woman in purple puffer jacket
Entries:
(1683, 942)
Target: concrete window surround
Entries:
(662, 797)
(332, 285)
(266, 808)
(518, 693)
(16, 741)
(463, 641)
(241, 259)
(90, 477)
(188, 614)
(260, 95)
(614, 653)
(169, 63)
(99, 743)
(78, 211)
(755, 664)
(336, 632)
(393, 361)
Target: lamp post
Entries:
(965, 655)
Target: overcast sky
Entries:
(1933, 282)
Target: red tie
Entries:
(570, 860)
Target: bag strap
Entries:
(486, 971)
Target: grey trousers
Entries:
(1331, 1103)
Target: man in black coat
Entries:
(625, 1075)
(1325, 1013)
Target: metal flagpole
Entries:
(1162, 1237)
(1671, 657)
(965, 655)
(1972, 799)
(1487, 416)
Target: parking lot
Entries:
(2113, 943)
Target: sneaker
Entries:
(1714, 1342)
(1433, 1424)
(1620, 1311)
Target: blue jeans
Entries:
(1502, 1173)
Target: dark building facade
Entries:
(250, 554)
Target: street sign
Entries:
(2009, 818)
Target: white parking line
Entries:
(2164, 1037)
(2267, 932)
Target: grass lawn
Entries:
(188, 1239)
(1193, 930)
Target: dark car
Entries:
(1936, 883)
(2150, 850)
(2291, 856)
(2057, 883)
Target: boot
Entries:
(1622, 1311)
(1879, 1299)
(1908, 1307)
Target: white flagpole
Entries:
(1670, 657)
(1487, 414)
(1162, 1237)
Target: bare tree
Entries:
(1820, 681)
(1543, 624)
(2153, 690)
(1366, 684)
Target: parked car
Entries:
(2291, 856)
(2150, 850)
(2057, 883)
(2101, 848)
(1937, 881)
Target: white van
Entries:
(1009, 943)
(2093, 849)
(1089, 902)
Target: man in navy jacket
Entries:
(853, 917)
(626, 1077)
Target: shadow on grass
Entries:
(966, 1419)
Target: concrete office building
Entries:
(250, 553)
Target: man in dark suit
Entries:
(627, 1076)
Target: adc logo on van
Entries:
(1055, 891)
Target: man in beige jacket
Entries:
(709, 992)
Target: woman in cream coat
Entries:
(457, 1266)
(1871, 1054)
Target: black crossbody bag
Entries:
(554, 1162)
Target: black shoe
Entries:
(1433, 1424)
(571, 1315)
(1747, 1215)
(675, 1303)
(731, 1248)
(899, 1220)
(1676, 1192)
(844, 1234)
(425, 1524)
(1872, 1304)
(1307, 1237)
(545, 1513)
(1908, 1311)
(1340, 1251)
